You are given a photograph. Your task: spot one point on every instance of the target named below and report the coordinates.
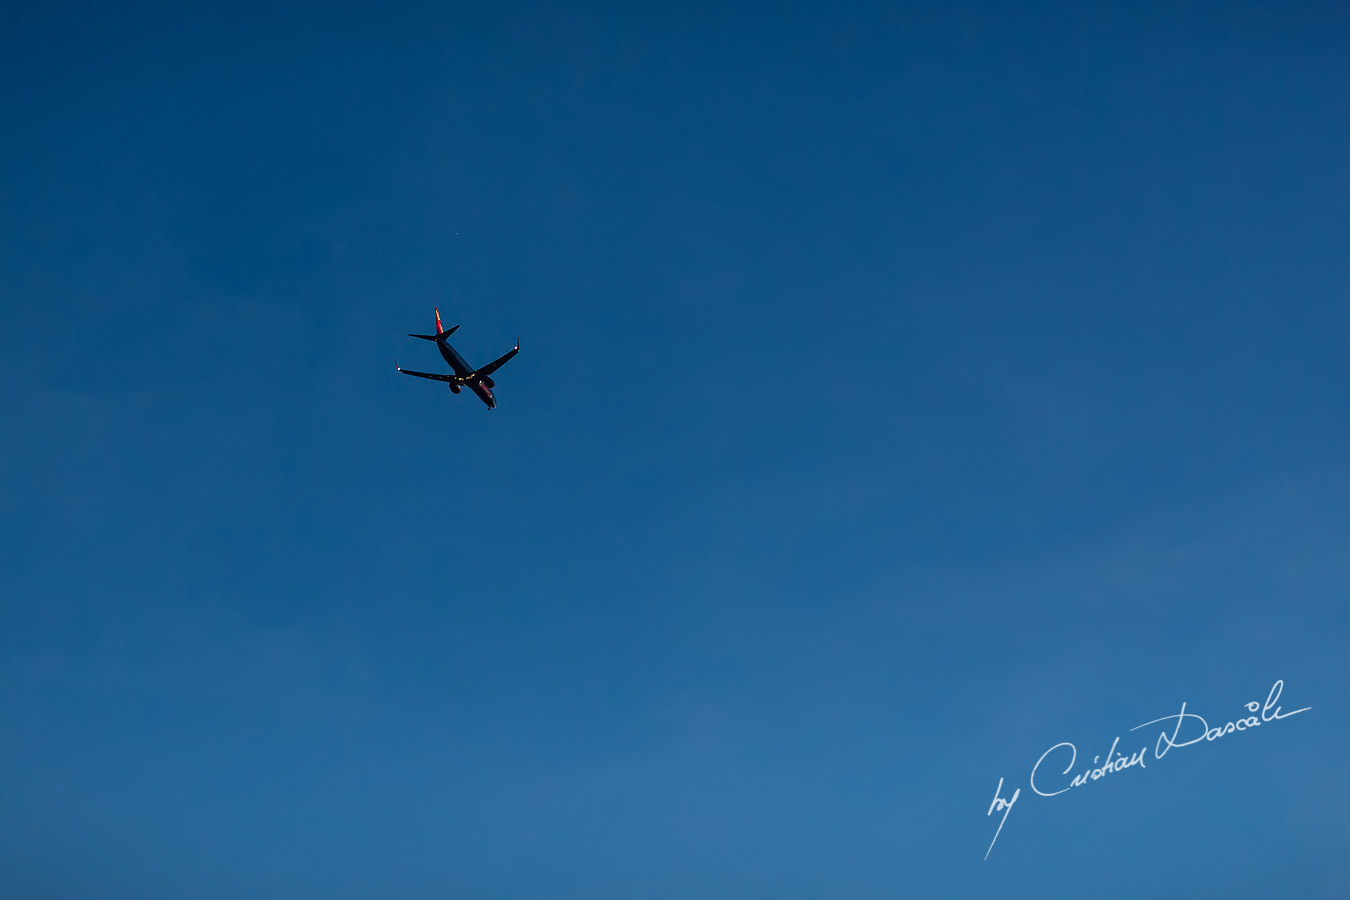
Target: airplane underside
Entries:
(477, 380)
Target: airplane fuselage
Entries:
(463, 370)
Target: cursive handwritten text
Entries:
(1196, 728)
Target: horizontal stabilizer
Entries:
(436, 337)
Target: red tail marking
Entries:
(439, 329)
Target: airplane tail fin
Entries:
(441, 333)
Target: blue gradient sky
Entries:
(903, 390)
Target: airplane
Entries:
(477, 380)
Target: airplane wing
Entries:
(499, 362)
(446, 378)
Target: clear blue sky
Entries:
(903, 390)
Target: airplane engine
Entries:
(489, 382)
(454, 387)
